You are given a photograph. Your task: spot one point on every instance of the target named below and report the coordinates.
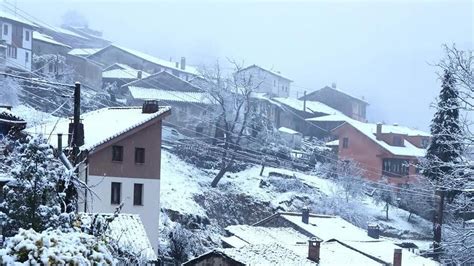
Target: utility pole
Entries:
(304, 102)
(76, 123)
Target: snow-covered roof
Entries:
(167, 95)
(288, 131)
(155, 60)
(287, 239)
(48, 39)
(329, 228)
(275, 73)
(100, 126)
(128, 231)
(311, 106)
(19, 19)
(122, 71)
(267, 254)
(369, 129)
(333, 143)
(84, 51)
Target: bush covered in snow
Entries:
(34, 198)
(53, 247)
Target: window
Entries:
(5, 29)
(27, 57)
(395, 167)
(137, 194)
(11, 52)
(27, 36)
(397, 141)
(274, 83)
(117, 153)
(425, 142)
(116, 193)
(345, 143)
(139, 155)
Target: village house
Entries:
(121, 155)
(138, 60)
(272, 83)
(383, 151)
(192, 108)
(349, 105)
(52, 58)
(117, 75)
(49, 56)
(292, 113)
(288, 238)
(16, 36)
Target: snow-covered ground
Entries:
(182, 184)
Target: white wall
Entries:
(20, 60)
(27, 43)
(149, 212)
(7, 37)
(269, 83)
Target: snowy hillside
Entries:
(246, 197)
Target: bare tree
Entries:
(232, 93)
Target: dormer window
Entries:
(425, 142)
(397, 141)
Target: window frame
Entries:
(345, 143)
(27, 35)
(137, 149)
(5, 29)
(113, 187)
(121, 149)
(138, 201)
(394, 167)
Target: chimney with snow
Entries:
(183, 63)
(139, 74)
(333, 85)
(314, 247)
(378, 134)
(150, 107)
(176, 64)
(397, 257)
(373, 231)
(305, 215)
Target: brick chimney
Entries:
(150, 107)
(397, 257)
(378, 134)
(373, 231)
(314, 247)
(183, 63)
(139, 74)
(305, 215)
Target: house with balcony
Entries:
(350, 105)
(17, 37)
(121, 153)
(382, 151)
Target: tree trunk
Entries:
(437, 249)
(386, 211)
(225, 167)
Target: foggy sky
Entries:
(382, 50)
